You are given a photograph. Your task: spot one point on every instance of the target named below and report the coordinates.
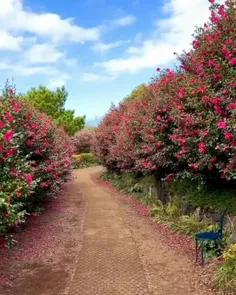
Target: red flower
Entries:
(221, 125)
(181, 92)
(29, 178)
(232, 61)
(16, 109)
(202, 147)
(44, 184)
(8, 135)
(213, 160)
(159, 143)
(19, 194)
(9, 117)
(228, 135)
(11, 91)
(210, 167)
(2, 124)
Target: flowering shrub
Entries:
(83, 140)
(185, 124)
(34, 160)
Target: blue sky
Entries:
(99, 49)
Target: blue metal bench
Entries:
(209, 236)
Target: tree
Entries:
(138, 92)
(52, 103)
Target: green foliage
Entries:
(49, 102)
(84, 160)
(134, 184)
(204, 195)
(165, 213)
(52, 103)
(70, 123)
(225, 274)
(170, 215)
(188, 225)
(138, 92)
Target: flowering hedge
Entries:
(83, 140)
(186, 123)
(35, 159)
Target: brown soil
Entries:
(121, 253)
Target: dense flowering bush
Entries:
(35, 159)
(186, 123)
(83, 140)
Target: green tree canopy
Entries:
(52, 103)
(138, 92)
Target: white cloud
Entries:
(71, 62)
(104, 47)
(25, 70)
(89, 77)
(125, 21)
(15, 17)
(5, 66)
(58, 81)
(9, 42)
(43, 53)
(172, 34)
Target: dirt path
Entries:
(92, 241)
(121, 253)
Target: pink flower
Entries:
(169, 177)
(211, 1)
(159, 143)
(221, 125)
(213, 160)
(44, 184)
(158, 69)
(196, 43)
(11, 91)
(19, 194)
(29, 178)
(202, 147)
(232, 61)
(181, 92)
(8, 135)
(210, 167)
(16, 109)
(9, 117)
(158, 118)
(195, 166)
(2, 124)
(228, 135)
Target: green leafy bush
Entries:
(204, 194)
(225, 274)
(188, 225)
